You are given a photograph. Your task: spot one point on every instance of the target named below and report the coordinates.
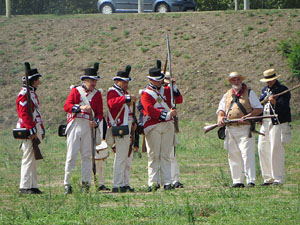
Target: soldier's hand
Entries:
(85, 108)
(173, 80)
(93, 124)
(43, 136)
(272, 99)
(134, 126)
(221, 122)
(173, 112)
(31, 137)
(133, 98)
(136, 149)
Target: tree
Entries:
(8, 8)
(236, 5)
(246, 4)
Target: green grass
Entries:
(206, 198)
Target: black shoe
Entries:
(25, 191)
(238, 185)
(168, 187)
(115, 190)
(103, 188)
(36, 191)
(123, 189)
(251, 185)
(85, 187)
(130, 189)
(155, 187)
(178, 185)
(266, 184)
(68, 190)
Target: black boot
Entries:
(68, 190)
(85, 187)
(103, 188)
(36, 191)
(25, 191)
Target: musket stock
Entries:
(213, 126)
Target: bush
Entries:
(291, 50)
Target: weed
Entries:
(250, 28)
(262, 30)
(51, 47)
(186, 56)
(139, 43)
(81, 49)
(177, 53)
(144, 49)
(115, 39)
(251, 14)
(2, 52)
(126, 33)
(186, 37)
(112, 28)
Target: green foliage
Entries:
(291, 50)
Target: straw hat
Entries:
(269, 75)
(235, 74)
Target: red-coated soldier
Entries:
(34, 124)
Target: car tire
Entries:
(162, 8)
(107, 8)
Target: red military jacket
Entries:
(74, 101)
(25, 120)
(116, 98)
(156, 104)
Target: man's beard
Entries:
(237, 87)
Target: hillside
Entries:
(205, 47)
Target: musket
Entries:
(35, 142)
(132, 132)
(276, 95)
(93, 134)
(213, 126)
(173, 105)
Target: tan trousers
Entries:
(174, 167)
(79, 140)
(159, 142)
(99, 171)
(241, 153)
(271, 152)
(29, 163)
(121, 168)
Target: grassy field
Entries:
(206, 198)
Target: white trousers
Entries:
(79, 139)
(121, 167)
(159, 143)
(99, 171)
(174, 167)
(271, 152)
(241, 153)
(29, 164)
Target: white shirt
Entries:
(253, 99)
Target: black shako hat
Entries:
(123, 75)
(91, 73)
(155, 73)
(31, 72)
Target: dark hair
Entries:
(31, 81)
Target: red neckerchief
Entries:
(241, 92)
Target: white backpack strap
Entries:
(85, 99)
(112, 121)
(125, 118)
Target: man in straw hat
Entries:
(119, 114)
(270, 146)
(28, 182)
(239, 102)
(80, 122)
(159, 127)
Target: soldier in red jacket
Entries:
(28, 182)
(159, 127)
(118, 102)
(79, 126)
